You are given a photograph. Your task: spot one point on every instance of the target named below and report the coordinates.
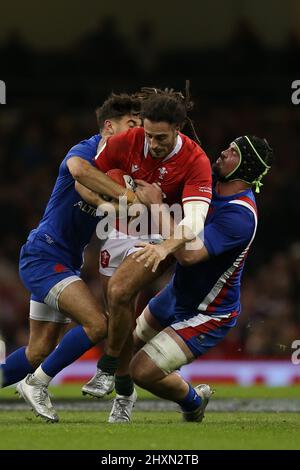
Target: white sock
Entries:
(41, 376)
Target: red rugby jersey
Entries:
(184, 175)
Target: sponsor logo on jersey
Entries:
(60, 268)
(84, 207)
(49, 240)
(205, 189)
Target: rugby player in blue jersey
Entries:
(51, 259)
(202, 302)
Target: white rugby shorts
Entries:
(117, 247)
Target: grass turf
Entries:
(151, 431)
(155, 430)
(73, 392)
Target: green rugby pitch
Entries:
(155, 430)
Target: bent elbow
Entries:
(77, 167)
(186, 259)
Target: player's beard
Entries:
(160, 155)
(217, 173)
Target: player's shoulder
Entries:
(244, 202)
(235, 216)
(239, 214)
(89, 142)
(86, 147)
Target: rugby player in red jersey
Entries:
(160, 155)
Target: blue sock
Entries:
(16, 367)
(191, 401)
(72, 346)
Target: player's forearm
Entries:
(179, 241)
(97, 181)
(176, 235)
(87, 195)
(163, 220)
(192, 253)
(96, 200)
(185, 251)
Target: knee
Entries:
(139, 372)
(137, 343)
(118, 293)
(96, 329)
(41, 344)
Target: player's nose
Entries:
(154, 146)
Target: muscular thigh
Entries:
(167, 351)
(78, 303)
(162, 355)
(143, 364)
(134, 276)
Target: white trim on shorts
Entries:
(53, 295)
(42, 312)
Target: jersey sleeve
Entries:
(114, 153)
(235, 226)
(198, 184)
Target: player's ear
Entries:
(108, 127)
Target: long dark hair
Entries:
(167, 105)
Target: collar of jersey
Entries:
(247, 192)
(175, 150)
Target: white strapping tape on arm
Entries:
(195, 213)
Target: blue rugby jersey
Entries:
(213, 286)
(68, 222)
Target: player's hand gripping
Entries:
(148, 193)
(151, 255)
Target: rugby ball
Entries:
(120, 177)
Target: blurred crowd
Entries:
(59, 93)
(108, 51)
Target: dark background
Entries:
(60, 61)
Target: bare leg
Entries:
(121, 309)
(76, 302)
(104, 280)
(128, 280)
(127, 351)
(154, 326)
(44, 336)
(79, 304)
(146, 370)
(146, 374)
(169, 387)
